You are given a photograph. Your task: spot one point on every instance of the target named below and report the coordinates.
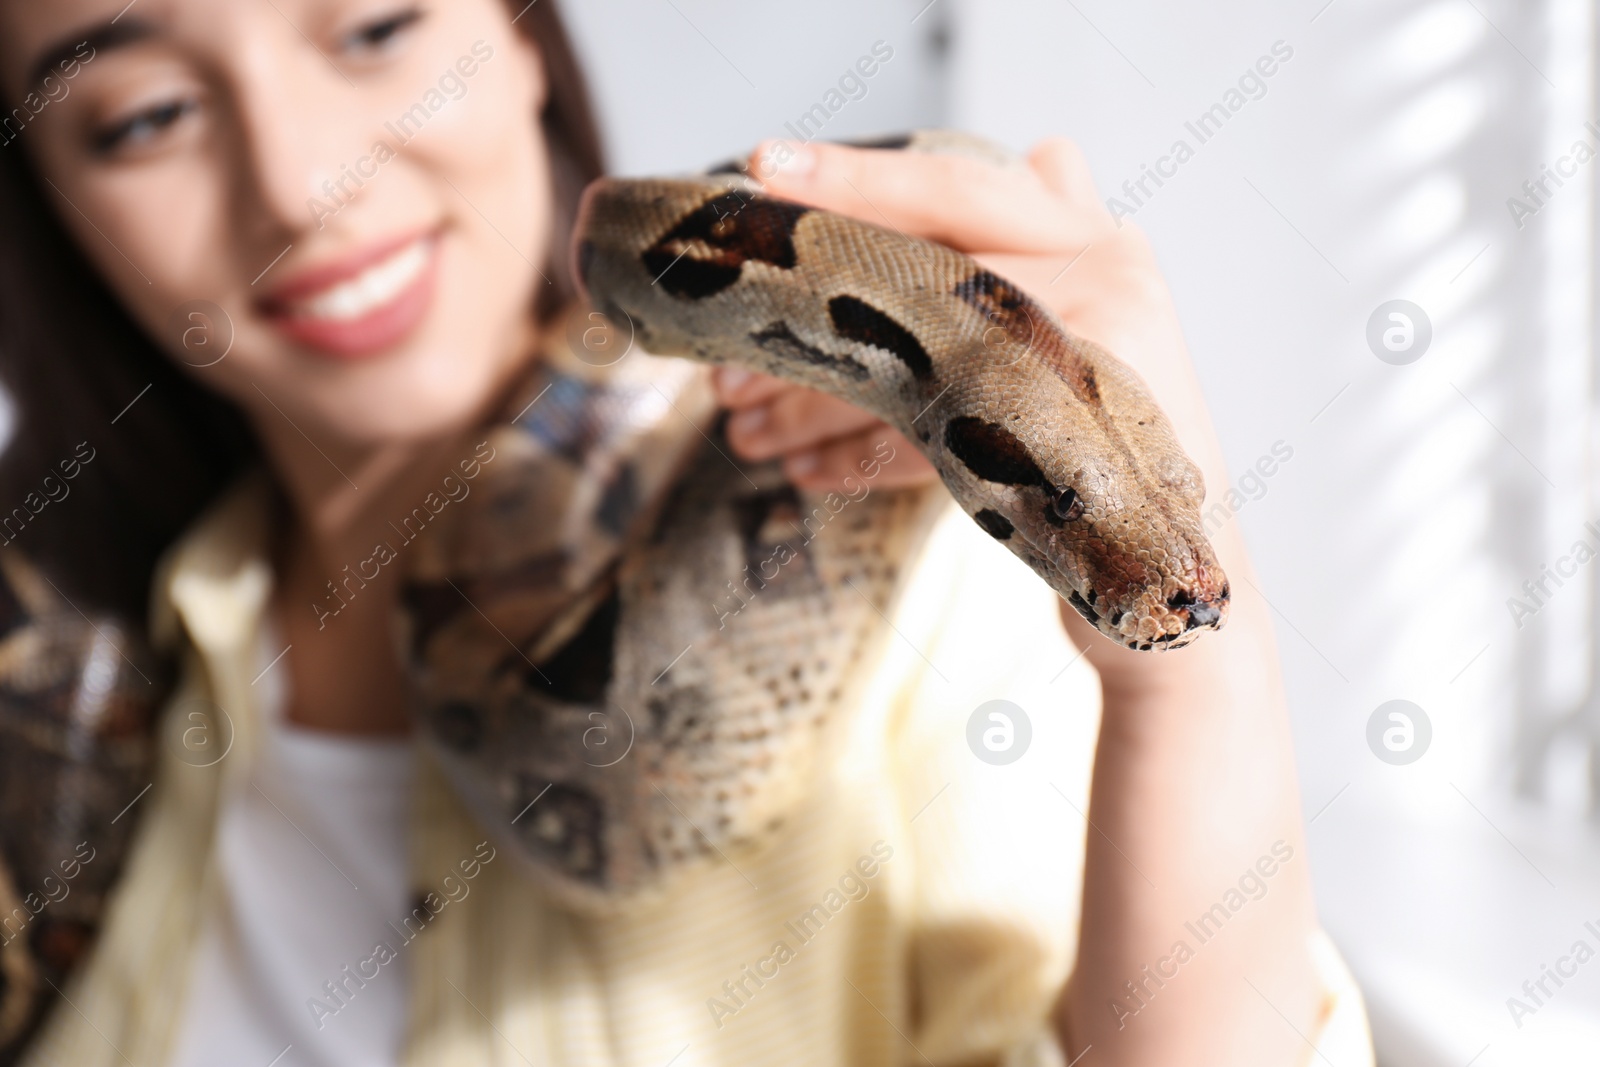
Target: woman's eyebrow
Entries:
(106, 35)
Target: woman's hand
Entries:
(822, 439)
(1194, 775)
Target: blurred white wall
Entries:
(1374, 164)
(684, 83)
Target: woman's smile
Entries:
(360, 304)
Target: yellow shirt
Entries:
(921, 908)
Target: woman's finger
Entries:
(1061, 165)
(965, 203)
(879, 458)
(1049, 279)
(795, 419)
(740, 388)
(1091, 290)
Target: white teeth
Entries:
(372, 288)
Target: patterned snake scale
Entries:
(631, 653)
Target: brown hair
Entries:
(72, 361)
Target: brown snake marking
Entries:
(736, 231)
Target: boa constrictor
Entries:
(632, 652)
(715, 633)
(1051, 444)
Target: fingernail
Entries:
(732, 379)
(749, 422)
(804, 462)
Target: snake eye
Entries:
(1067, 505)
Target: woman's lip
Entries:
(331, 273)
(380, 328)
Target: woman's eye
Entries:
(379, 35)
(140, 128)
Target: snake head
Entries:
(1086, 483)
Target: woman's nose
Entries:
(299, 118)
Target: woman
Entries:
(382, 301)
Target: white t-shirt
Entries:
(313, 865)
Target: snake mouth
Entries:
(1136, 619)
(1193, 616)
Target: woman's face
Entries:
(359, 186)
